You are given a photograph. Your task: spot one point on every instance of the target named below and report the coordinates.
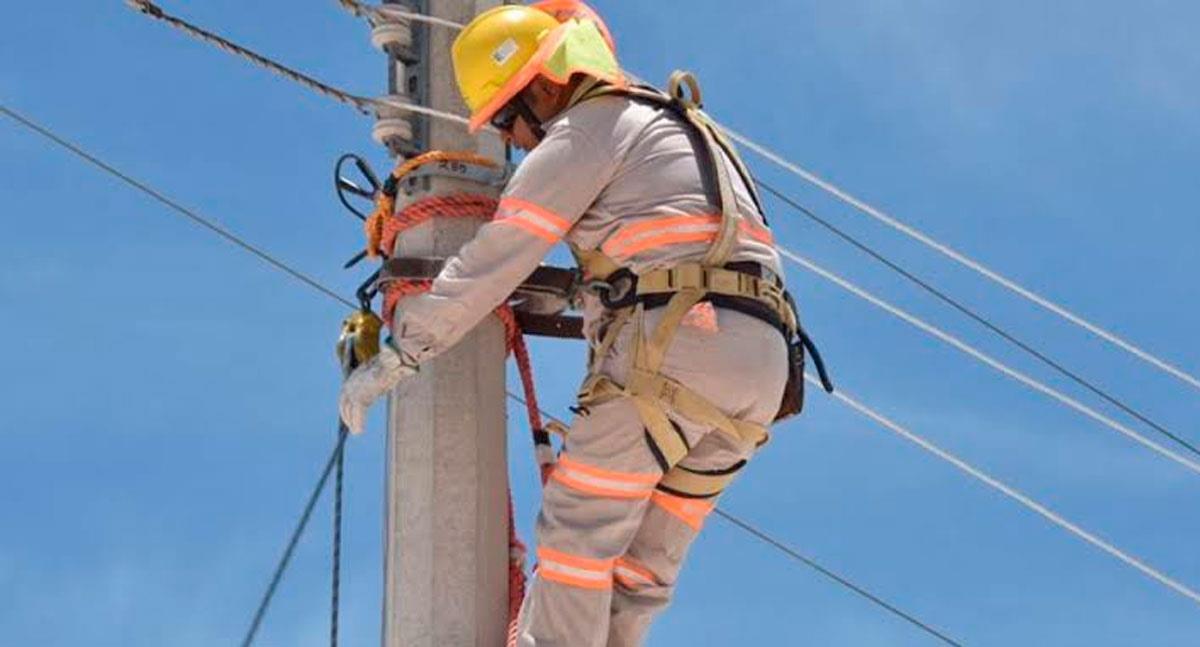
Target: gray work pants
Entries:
(610, 545)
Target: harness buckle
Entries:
(618, 290)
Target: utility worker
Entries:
(690, 331)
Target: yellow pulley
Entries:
(359, 340)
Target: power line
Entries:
(175, 206)
(1014, 494)
(365, 105)
(385, 13)
(787, 550)
(961, 258)
(990, 361)
(327, 292)
(152, 10)
(301, 524)
(957, 305)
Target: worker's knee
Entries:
(590, 511)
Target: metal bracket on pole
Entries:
(404, 133)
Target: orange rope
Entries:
(453, 206)
(382, 230)
(385, 203)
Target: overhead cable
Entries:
(175, 206)
(790, 552)
(1014, 494)
(958, 305)
(987, 359)
(365, 105)
(301, 524)
(311, 283)
(377, 13)
(962, 259)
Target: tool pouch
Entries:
(792, 402)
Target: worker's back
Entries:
(653, 203)
(658, 175)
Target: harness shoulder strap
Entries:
(653, 96)
(684, 99)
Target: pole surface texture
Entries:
(446, 523)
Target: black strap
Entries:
(758, 310)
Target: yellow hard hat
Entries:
(505, 48)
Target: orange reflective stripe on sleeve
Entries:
(674, 230)
(690, 511)
(535, 219)
(633, 575)
(602, 482)
(573, 570)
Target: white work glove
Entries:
(368, 382)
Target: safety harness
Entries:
(744, 287)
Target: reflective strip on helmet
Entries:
(674, 230)
(574, 570)
(632, 575)
(537, 220)
(690, 511)
(601, 482)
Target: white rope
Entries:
(1014, 494)
(394, 11)
(961, 258)
(988, 360)
(392, 104)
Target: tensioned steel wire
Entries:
(328, 292)
(365, 105)
(1013, 493)
(377, 12)
(978, 318)
(962, 259)
(986, 359)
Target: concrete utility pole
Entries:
(446, 526)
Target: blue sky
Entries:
(168, 399)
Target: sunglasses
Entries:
(506, 117)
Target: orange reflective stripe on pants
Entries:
(601, 482)
(632, 575)
(573, 570)
(690, 511)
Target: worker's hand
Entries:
(368, 382)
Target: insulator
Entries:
(395, 37)
(393, 125)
